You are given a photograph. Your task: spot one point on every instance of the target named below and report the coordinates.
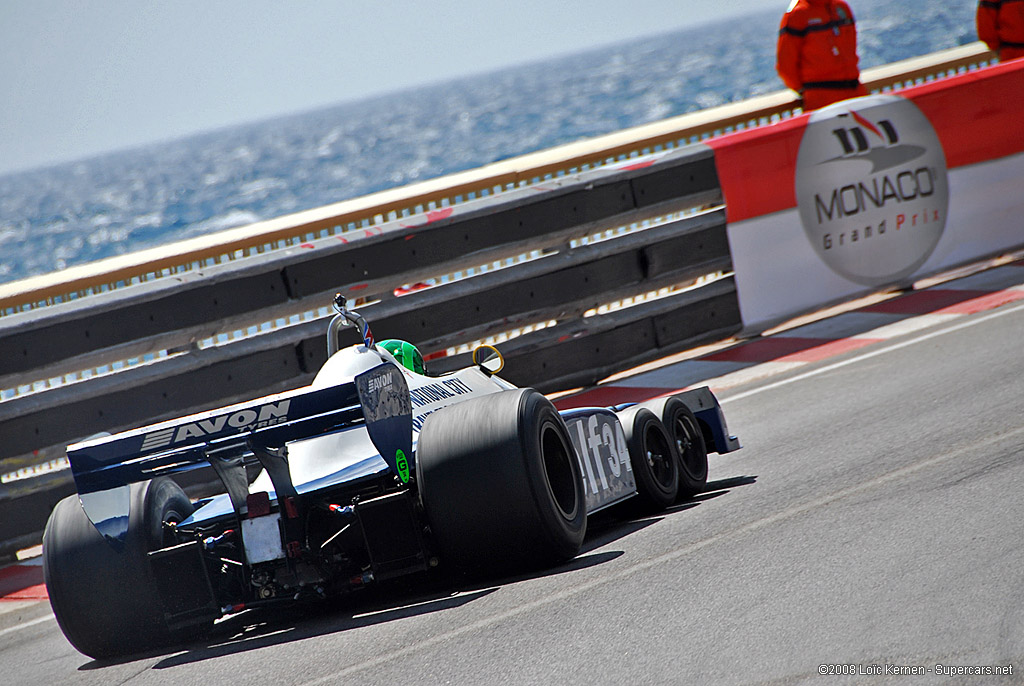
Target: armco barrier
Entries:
(587, 233)
(172, 314)
(169, 313)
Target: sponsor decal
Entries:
(433, 396)
(402, 465)
(376, 384)
(383, 394)
(871, 188)
(433, 392)
(235, 422)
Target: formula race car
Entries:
(371, 473)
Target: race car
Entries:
(373, 472)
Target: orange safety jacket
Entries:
(817, 49)
(1001, 26)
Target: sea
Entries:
(54, 217)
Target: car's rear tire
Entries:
(500, 483)
(653, 458)
(105, 600)
(685, 432)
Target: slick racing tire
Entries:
(500, 483)
(652, 454)
(685, 432)
(105, 599)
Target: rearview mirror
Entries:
(488, 359)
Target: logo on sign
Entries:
(871, 188)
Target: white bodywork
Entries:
(315, 458)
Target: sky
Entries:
(80, 78)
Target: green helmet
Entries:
(406, 354)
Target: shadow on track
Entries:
(297, 624)
(258, 629)
(620, 521)
(713, 489)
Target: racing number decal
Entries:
(589, 449)
(601, 448)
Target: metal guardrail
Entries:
(549, 280)
(581, 266)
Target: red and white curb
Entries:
(791, 349)
(23, 581)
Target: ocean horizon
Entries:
(119, 202)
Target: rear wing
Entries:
(187, 443)
(104, 468)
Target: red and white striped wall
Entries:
(782, 268)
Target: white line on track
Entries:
(874, 353)
(671, 556)
(33, 622)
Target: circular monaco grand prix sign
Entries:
(871, 188)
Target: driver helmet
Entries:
(405, 354)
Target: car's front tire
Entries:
(685, 432)
(652, 455)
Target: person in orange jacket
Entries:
(817, 52)
(1001, 26)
